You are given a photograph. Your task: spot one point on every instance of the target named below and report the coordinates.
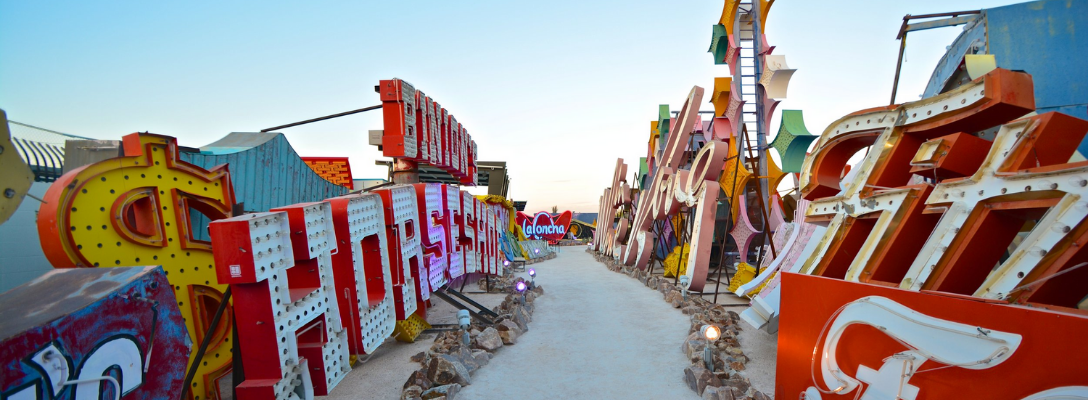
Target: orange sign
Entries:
(334, 169)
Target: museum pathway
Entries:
(595, 334)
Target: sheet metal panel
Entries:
(1037, 37)
(266, 171)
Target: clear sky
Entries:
(558, 89)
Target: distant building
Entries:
(361, 184)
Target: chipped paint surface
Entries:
(109, 320)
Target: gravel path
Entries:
(595, 334)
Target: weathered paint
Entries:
(137, 210)
(120, 322)
(267, 171)
(1039, 38)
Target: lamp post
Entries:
(520, 287)
(711, 333)
(684, 282)
(464, 320)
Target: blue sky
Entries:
(558, 89)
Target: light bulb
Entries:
(711, 332)
(532, 272)
(520, 286)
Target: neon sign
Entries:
(417, 128)
(542, 226)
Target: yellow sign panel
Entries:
(138, 210)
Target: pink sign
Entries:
(543, 226)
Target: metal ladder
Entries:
(750, 72)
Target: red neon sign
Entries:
(543, 226)
(417, 128)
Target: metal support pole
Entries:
(761, 116)
(766, 217)
(729, 222)
(204, 344)
(899, 64)
(365, 109)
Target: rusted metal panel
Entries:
(86, 323)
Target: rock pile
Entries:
(505, 282)
(449, 364)
(725, 382)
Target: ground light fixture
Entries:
(536, 250)
(520, 287)
(506, 263)
(463, 320)
(684, 282)
(711, 333)
(532, 277)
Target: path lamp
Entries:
(532, 277)
(711, 333)
(464, 320)
(684, 282)
(520, 287)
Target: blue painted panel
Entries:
(1039, 38)
(266, 173)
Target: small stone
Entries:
(489, 339)
(419, 357)
(673, 295)
(760, 396)
(448, 392)
(723, 393)
(465, 357)
(693, 345)
(698, 378)
(522, 319)
(419, 379)
(737, 366)
(508, 325)
(472, 333)
(689, 310)
(508, 337)
(444, 369)
(482, 357)
(741, 384)
(411, 392)
(508, 331)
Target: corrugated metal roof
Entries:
(42, 149)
